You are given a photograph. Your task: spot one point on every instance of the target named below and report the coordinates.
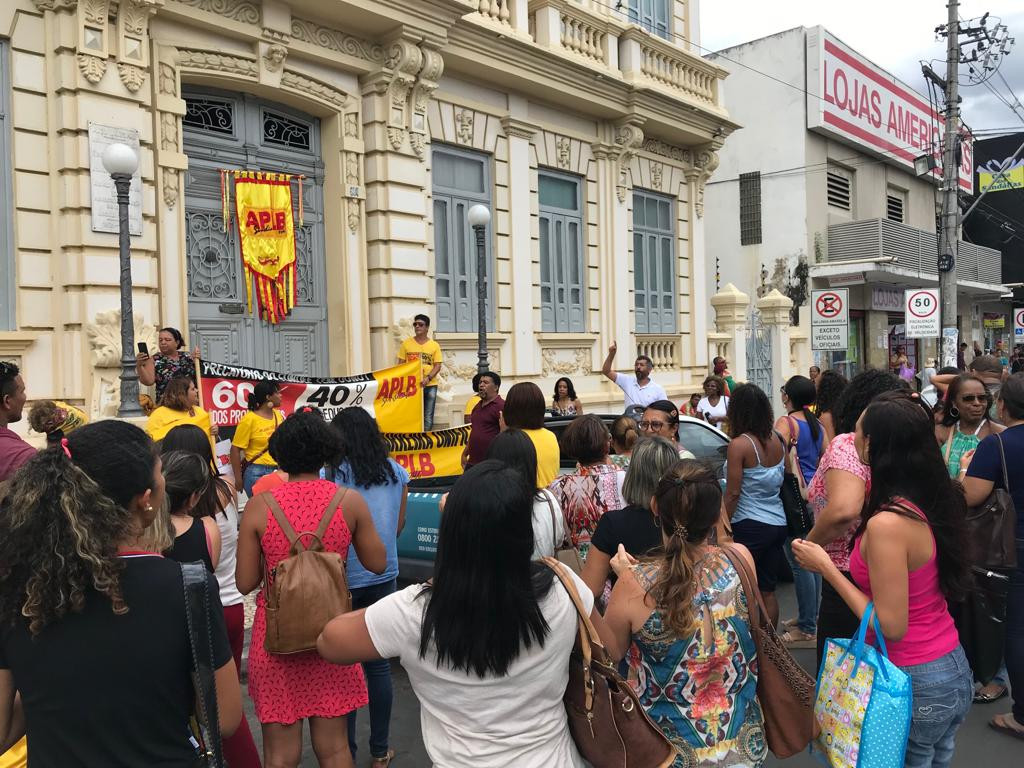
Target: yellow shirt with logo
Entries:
(252, 435)
(428, 354)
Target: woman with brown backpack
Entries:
(295, 539)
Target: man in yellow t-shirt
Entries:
(428, 352)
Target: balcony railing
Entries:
(910, 248)
(663, 350)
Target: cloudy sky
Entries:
(895, 34)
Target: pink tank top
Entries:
(931, 633)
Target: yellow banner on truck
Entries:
(430, 454)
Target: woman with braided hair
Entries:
(84, 608)
(685, 614)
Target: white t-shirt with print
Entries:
(517, 720)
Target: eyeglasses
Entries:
(653, 426)
(975, 398)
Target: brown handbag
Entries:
(992, 526)
(308, 588)
(606, 720)
(784, 689)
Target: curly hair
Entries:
(750, 411)
(687, 502)
(63, 518)
(830, 386)
(864, 388)
(304, 443)
(718, 381)
(55, 419)
(363, 447)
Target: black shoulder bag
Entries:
(197, 617)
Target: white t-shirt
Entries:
(517, 720)
(705, 408)
(547, 528)
(225, 573)
(637, 395)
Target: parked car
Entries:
(418, 542)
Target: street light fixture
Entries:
(479, 217)
(925, 164)
(120, 161)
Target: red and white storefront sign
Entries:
(852, 100)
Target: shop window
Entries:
(461, 179)
(8, 277)
(850, 361)
(654, 291)
(562, 283)
(839, 184)
(750, 208)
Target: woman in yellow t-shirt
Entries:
(252, 436)
(179, 405)
(524, 409)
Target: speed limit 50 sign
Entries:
(921, 307)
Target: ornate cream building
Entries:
(589, 127)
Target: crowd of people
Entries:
(93, 529)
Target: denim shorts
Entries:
(943, 690)
(765, 543)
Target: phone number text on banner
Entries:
(430, 454)
(391, 395)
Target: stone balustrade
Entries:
(496, 10)
(583, 37)
(663, 350)
(645, 57)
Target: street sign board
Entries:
(830, 319)
(1018, 326)
(921, 310)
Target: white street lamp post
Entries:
(479, 217)
(120, 161)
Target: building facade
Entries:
(589, 131)
(819, 191)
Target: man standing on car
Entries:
(641, 391)
(485, 420)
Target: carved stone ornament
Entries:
(105, 343)
(353, 214)
(426, 84)
(94, 11)
(563, 151)
(553, 366)
(170, 186)
(406, 60)
(315, 88)
(135, 15)
(702, 164)
(236, 10)
(190, 58)
(274, 58)
(91, 67)
(167, 78)
(451, 368)
(56, 5)
(352, 125)
(133, 77)
(325, 37)
(464, 126)
(657, 170)
(628, 139)
(658, 147)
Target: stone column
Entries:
(731, 306)
(525, 356)
(775, 314)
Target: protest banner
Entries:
(430, 454)
(391, 395)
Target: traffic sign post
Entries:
(830, 319)
(1018, 326)
(921, 312)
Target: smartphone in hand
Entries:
(143, 348)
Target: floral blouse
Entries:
(585, 496)
(168, 368)
(840, 454)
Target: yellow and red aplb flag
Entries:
(263, 210)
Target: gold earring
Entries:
(148, 508)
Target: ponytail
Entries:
(813, 423)
(261, 393)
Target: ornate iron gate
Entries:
(759, 354)
(236, 131)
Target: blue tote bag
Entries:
(863, 703)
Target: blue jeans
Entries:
(943, 690)
(378, 680)
(808, 593)
(1014, 654)
(252, 473)
(429, 401)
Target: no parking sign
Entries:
(1018, 326)
(830, 319)
(921, 308)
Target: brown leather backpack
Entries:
(306, 589)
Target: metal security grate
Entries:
(839, 190)
(894, 208)
(750, 208)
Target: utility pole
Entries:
(950, 201)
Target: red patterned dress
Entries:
(286, 689)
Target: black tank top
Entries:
(190, 547)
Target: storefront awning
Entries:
(835, 274)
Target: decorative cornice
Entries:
(217, 62)
(236, 10)
(56, 5)
(319, 90)
(310, 32)
(133, 77)
(91, 67)
(658, 147)
(518, 129)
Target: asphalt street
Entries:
(977, 746)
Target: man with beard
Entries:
(640, 391)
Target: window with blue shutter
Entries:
(652, 15)
(562, 289)
(654, 284)
(461, 179)
(8, 276)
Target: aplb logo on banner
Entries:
(430, 454)
(391, 395)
